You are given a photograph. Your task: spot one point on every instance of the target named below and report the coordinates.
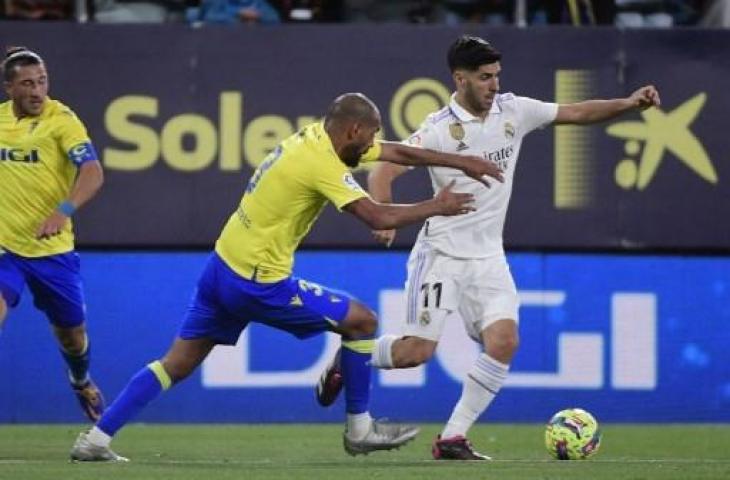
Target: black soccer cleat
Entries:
(330, 383)
(455, 448)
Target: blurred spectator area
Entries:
(102, 11)
(38, 9)
(622, 13)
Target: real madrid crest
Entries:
(425, 318)
(509, 131)
(457, 133)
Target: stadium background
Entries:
(623, 270)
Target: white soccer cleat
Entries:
(85, 451)
(382, 436)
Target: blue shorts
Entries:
(54, 282)
(224, 303)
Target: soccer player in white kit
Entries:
(458, 264)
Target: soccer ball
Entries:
(572, 434)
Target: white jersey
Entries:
(498, 139)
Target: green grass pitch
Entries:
(314, 452)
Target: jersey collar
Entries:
(464, 116)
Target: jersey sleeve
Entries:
(535, 114)
(424, 137)
(373, 153)
(74, 140)
(339, 186)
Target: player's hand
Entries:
(384, 237)
(479, 169)
(52, 226)
(453, 203)
(646, 97)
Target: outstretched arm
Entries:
(88, 182)
(380, 181)
(592, 111)
(472, 166)
(381, 216)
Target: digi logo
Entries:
(19, 155)
(622, 357)
(661, 132)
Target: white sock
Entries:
(481, 385)
(383, 352)
(358, 424)
(97, 437)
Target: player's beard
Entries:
(351, 154)
(475, 103)
(30, 106)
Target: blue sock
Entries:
(356, 372)
(78, 365)
(144, 387)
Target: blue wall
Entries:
(642, 339)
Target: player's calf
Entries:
(501, 340)
(410, 352)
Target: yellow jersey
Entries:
(283, 198)
(38, 164)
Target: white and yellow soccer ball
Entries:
(572, 434)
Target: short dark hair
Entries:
(469, 53)
(18, 57)
(351, 107)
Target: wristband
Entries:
(67, 208)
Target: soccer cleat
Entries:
(382, 436)
(91, 399)
(330, 383)
(455, 448)
(85, 451)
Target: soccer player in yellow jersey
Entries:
(48, 169)
(248, 277)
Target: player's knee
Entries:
(370, 324)
(360, 321)
(503, 347)
(367, 326)
(72, 340)
(510, 343)
(68, 346)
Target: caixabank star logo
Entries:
(659, 137)
(662, 135)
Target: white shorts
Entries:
(480, 290)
